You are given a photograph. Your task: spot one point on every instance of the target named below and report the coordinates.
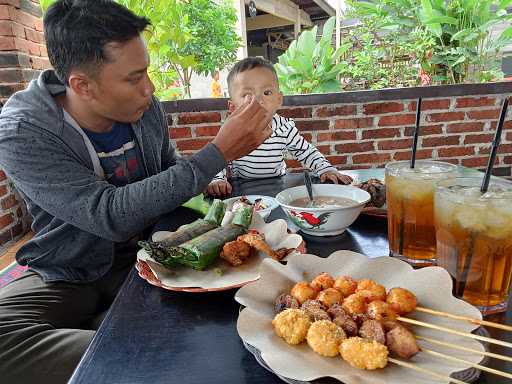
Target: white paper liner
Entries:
(276, 236)
(432, 286)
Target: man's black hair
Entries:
(247, 64)
(76, 32)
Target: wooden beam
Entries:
(266, 21)
(326, 7)
(284, 9)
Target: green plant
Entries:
(309, 66)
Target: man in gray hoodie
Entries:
(87, 146)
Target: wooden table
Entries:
(153, 336)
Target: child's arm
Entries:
(219, 186)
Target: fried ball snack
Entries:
(292, 325)
(401, 300)
(346, 285)
(285, 301)
(302, 291)
(329, 297)
(380, 310)
(402, 342)
(236, 252)
(315, 310)
(355, 304)
(324, 337)
(371, 290)
(342, 319)
(364, 354)
(373, 330)
(322, 281)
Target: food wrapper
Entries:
(432, 287)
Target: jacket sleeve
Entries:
(57, 180)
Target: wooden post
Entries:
(241, 28)
(297, 24)
(338, 24)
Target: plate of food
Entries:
(358, 320)
(372, 181)
(222, 251)
(264, 205)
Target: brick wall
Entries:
(22, 56)
(370, 133)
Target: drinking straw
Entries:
(416, 133)
(483, 189)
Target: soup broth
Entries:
(324, 202)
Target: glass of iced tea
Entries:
(410, 208)
(474, 240)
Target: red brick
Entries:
(420, 154)
(484, 138)
(430, 104)
(380, 133)
(192, 144)
(5, 220)
(484, 115)
(26, 19)
(352, 166)
(5, 12)
(343, 110)
(7, 43)
(9, 202)
(373, 158)
(364, 122)
(180, 133)
(35, 36)
(464, 127)
(507, 160)
(336, 136)
(506, 124)
(440, 141)
(210, 130)
(425, 130)
(3, 190)
(452, 161)
(337, 160)
(294, 113)
(475, 162)
(394, 144)
(354, 147)
(397, 120)
(2, 175)
(15, 3)
(467, 102)
(380, 108)
(39, 25)
(312, 125)
(456, 151)
(198, 117)
(324, 149)
(445, 116)
(503, 148)
(6, 28)
(43, 51)
(40, 62)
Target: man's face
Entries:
(261, 84)
(122, 90)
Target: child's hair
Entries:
(247, 64)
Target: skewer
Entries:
(459, 333)
(469, 319)
(474, 365)
(425, 371)
(454, 346)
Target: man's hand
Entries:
(244, 130)
(219, 188)
(335, 177)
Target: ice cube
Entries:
(471, 218)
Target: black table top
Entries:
(152, 335)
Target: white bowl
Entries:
(270, 202)
(327, 221)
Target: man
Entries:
(87, 146)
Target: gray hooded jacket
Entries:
(78, 216)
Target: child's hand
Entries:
(219, 188)
(335, 177)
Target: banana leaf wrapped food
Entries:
(203, 250)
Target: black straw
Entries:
(416, 133)
(495, 145)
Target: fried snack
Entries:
(322, 281)
(401, 300)
(355, 304)
(364, 354)
(377, 191)
(346, 285)
(315, 310)
(373, 330)
(402, 342)
(380, 310)
(330, 296)
(342, 319)
(292, 325)
(236, 252)
(257, 240)
(371, 290)
(285, 301)
(324, 337)
(302, 291)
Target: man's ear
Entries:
(231, 106)
(80, 83)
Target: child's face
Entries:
(258, 82)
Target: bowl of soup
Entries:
(333, 209)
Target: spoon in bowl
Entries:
(309, 188)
